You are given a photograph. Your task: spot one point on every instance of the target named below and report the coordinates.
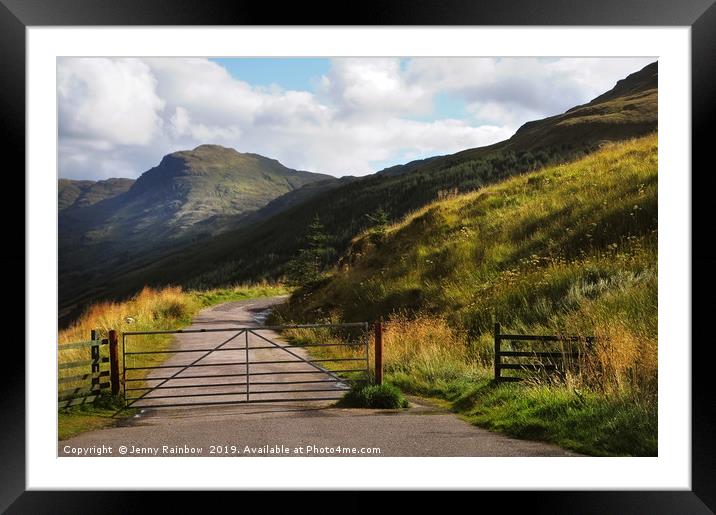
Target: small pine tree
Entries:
(308, 265)
(379, 223)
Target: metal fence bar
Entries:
(130, 380)
(295, 355)
(179, 351)
(187, 366)
(248, 380)
(253, 383)
(242, 348)
(253, 328)
(223, 394)
(302, 345)
(212, 385)
(251, 374)
(224, 385)
(238, 363)
(225, 403)
(341, 389)
(308, 372)
(268, 383)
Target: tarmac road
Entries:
(296, 428)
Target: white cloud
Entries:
(522, 86)
(110, 100)
(376, 86)
(180, 121)
(118, 117)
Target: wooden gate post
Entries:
(114, 361)
(378, 353)
(498, 358)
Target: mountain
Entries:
(260, 246)
(166, 207)
(186, 188)
(82, 193)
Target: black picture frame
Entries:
(700, 15)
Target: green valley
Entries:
(258, 245)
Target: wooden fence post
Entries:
(94, 354)
(378, 353)
(114, 361)
(498, 359)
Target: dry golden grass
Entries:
(146, 309)
(150, 309)
(422, 345)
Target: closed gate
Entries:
(237, 365)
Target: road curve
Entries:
(297, 428)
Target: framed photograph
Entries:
(457, 239)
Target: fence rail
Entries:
(556, 361)
(89, 385)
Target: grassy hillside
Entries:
(570, 249)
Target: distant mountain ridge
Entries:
(82, 193)
(184, 189)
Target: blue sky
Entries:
(289, 73)
(343, 116)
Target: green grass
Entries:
(385, 396)
(242, 292)
(167, 309)
(582, 420)
(569, 249)
(90, 417)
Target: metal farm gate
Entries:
(237, 365)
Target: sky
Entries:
(118, 117)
